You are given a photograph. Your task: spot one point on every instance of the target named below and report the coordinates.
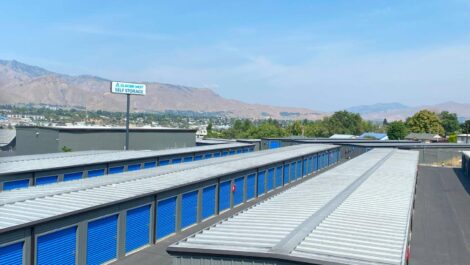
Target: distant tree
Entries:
(452, 138)
(425, 121)
(295, 128)
(385, 122)
(397, 130)
(450, 122)
(209, 127)
(344, 122)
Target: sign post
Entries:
(128, 89)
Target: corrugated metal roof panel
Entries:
(28, 163)
(357, 212)
(81, 194)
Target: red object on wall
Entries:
(234, 188)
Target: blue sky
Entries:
(324, 55)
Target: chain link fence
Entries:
(440, 157)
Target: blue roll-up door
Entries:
(239, 151)
(73, 176)
(189, 209)
(286, 174)
(261, 182)
(208, 201)
(246, 150)
(270, 179)
(224, 153)
(57, 247)
(315, 163)
(310, 164)
(197, 157)
(95, 173)
(208, 156)
(137, 228)
(224, 195)
(15, 184)
(250, 186)
(164, 162)
(114, 170)
(231, 152)
(166, 217)
(188, 159)
(305, 167)
(176, 161)
(216, 154)
(239, 190)
(292, 171)
(299, 169)
(274, 144)
(133, 167)
(279, 176)
(150, 164)
(102, 240)
(46, 180)
(12, 254)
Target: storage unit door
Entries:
(232, 152)
(208, 202)
(188, 159)
(137, 227)
(150, 164)
(299, 169)
(57, 247)
(166, 217)
(46, 180)
(102, 240)
(176, 161)
(133, 167)
(217, 154)
(189, 209)
(114, 170)
(250, 186)
(73, 176)
(95, 173)
(164, 162)
(238, 193)
(274, 144)
(12, 254)
(197, 157)
(305, 167)
(292, 171)
(224, 195)
(279, 176)
(286, 174)
(16, 184)
(270, 179)
(261, 182)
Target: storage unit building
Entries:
(31, 170)
(96, 220)
(41, 140)
(466, 163)
(342, 216)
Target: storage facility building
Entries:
(41, 140)
(466, 163)
(30, 170)
(356, 213)
(98, 220)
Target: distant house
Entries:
(373, 135)
(343, 136)
(463, 138)
(424, 137)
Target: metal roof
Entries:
(37, 204)
(29, 163)
(105, 129)
(6, 136)
(356, 213)
(385, 144)
(467, 153)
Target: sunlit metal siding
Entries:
(39, 203)
(279, 227)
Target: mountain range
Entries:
(23, 83)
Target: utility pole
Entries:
(127, 121)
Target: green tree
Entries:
(66, 149)
(295, 128)
(344, 122)
(209, 127)
(397, 130)
(425, 121)
(452, 138)
(449, 122)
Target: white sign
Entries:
(127, 88)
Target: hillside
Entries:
(22, 83)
